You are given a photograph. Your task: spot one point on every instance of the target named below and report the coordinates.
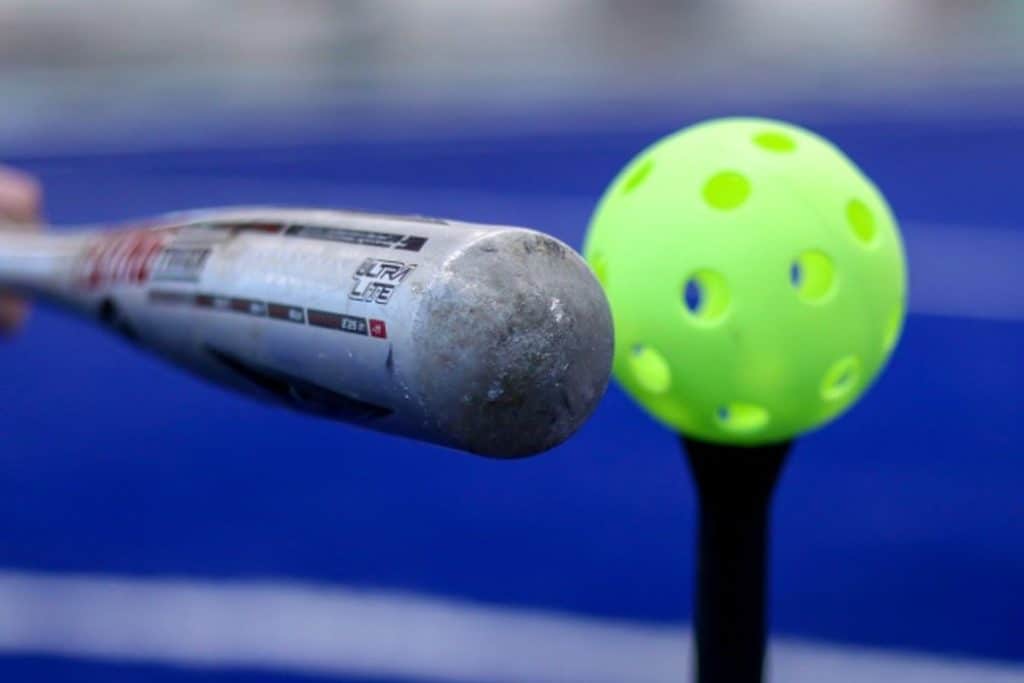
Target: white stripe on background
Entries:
(338, 631)
(966, 271)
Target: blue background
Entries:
(901, 525)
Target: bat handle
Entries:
(37, 263)
(734, 486)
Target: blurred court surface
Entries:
(156, 528)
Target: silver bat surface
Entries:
(489, 339)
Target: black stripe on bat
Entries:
(300, 393)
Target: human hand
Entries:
(20, 206)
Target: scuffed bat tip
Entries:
(534, 337)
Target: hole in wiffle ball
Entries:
(841, 378)
(638, 176)
(692, 295)
(774, 141)
(650, 369)
(796, 274)
(861, 221)
(726, 190)
(739, 417)
(812, 275)
(706, 296)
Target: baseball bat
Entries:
(490, 339)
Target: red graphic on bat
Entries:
(123, 257)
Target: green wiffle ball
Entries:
(756, 277)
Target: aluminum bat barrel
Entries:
(493, 340)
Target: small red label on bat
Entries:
(378, 329)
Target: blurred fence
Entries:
(66, 63)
